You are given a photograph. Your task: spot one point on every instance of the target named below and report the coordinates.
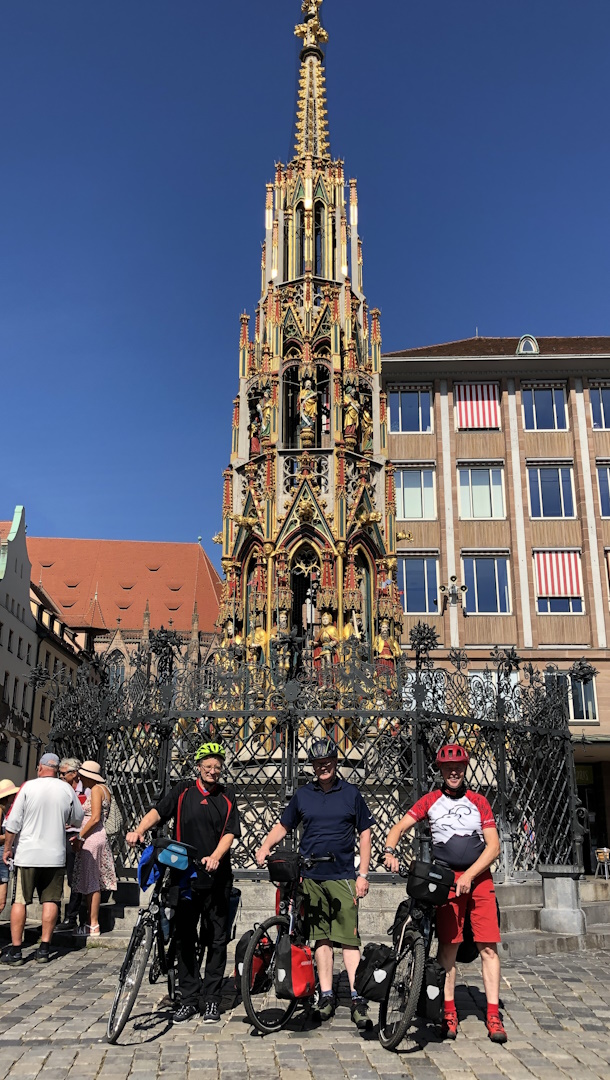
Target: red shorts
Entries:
(480, 903)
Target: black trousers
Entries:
(74, 903)
(210, 909)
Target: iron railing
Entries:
(388, 719)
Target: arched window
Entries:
(323, 416)
(116, 669)
(319, 238)
(299, 240)
(286, 251)
(304, 582)
(291, 407)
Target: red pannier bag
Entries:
(260, 962)
(294, 971)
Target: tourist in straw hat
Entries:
(94, 865)
(8, 790)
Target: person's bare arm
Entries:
(149, 821)
(277, 834)
(211, 862)
(9, 840)
(394, 836)
(484, 861)
(362, 885)
(96, 812)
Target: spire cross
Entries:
(311, 29)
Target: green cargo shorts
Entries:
(331, 911)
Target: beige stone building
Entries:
(502, 455)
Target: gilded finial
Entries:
(311, 125)
(311, 30)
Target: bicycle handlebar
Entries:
(307, 861)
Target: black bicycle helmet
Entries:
(322, 748)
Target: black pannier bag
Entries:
(283, 865)
(430, 882)
(375, 972)
(432, 994)
(295, 975)
(260, 961)
(402, 913)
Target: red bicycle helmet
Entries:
(452, 752)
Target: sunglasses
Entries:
(70, 772)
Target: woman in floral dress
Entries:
(94, 865)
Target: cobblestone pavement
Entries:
(52, 1025)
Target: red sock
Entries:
(450, 1007)
(493, 1010)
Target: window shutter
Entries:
(478, 405)
(558, 573)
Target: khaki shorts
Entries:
(331, 911)
(48, 881)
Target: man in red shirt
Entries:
(464, 838)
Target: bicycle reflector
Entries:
(452, 754)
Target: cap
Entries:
(50, 760)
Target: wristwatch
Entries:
(390, 850)
(360, 874)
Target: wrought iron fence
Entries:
(388, 719)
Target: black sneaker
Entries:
(211, 1013)
(12, 956)
(360, 1014)
(42, 954)
(68, 926)
(184, 1013)
(325, 1009)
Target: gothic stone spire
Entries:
(311, 125)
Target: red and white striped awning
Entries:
(478, 405)
(558, 573)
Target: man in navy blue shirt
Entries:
(332, 813)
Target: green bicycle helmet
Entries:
(209, 749)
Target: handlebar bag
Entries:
(375, 972)
(430, 882)
(173, 854)
(294, 971)
(283, 865)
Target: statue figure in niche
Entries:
(387, 650)
(326, 642)
(282, 645)
(231, 646)
(308, 405)
(254, 432)
(351, 414)
(366, 430)
(265, 407)
(256, 642)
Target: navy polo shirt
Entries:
(331, 821)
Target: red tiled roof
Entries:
(94, 582)
(507, 346)
(5, 528)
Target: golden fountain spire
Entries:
(311, 125)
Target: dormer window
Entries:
(528, 344)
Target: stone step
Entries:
(597, 936)
(520, 943)
(594, 890)
(518, 894)
(523, 917)
(597, 913)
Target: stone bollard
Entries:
(561, 913)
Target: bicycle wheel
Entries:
(398, 1009)
(265, 1010)
(130, 978)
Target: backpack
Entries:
(375, 972)
(260, 962)
(114, 822)
(294, 971)
(432, 994)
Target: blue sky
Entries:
(136, 138)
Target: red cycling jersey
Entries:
(456, 826)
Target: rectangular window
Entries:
(418, 584)
(1, 632)
(544, 408)
(411, 410)
(558, 583)
(24, 697)
(551, 492)
(5, 686)
(600, 407)
(487, 581)
(17, 753)
(580, 696)
(15, 693)
(415, 494)
(20, 648)
(10, 641)
(3, 749)
(477, 405)
(603, 479)
(481, 494)
(28, 657)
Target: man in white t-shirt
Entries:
(38, 818)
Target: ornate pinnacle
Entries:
(311, 29)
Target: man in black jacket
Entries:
(205, 816)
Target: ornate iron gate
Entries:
(388, 720)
